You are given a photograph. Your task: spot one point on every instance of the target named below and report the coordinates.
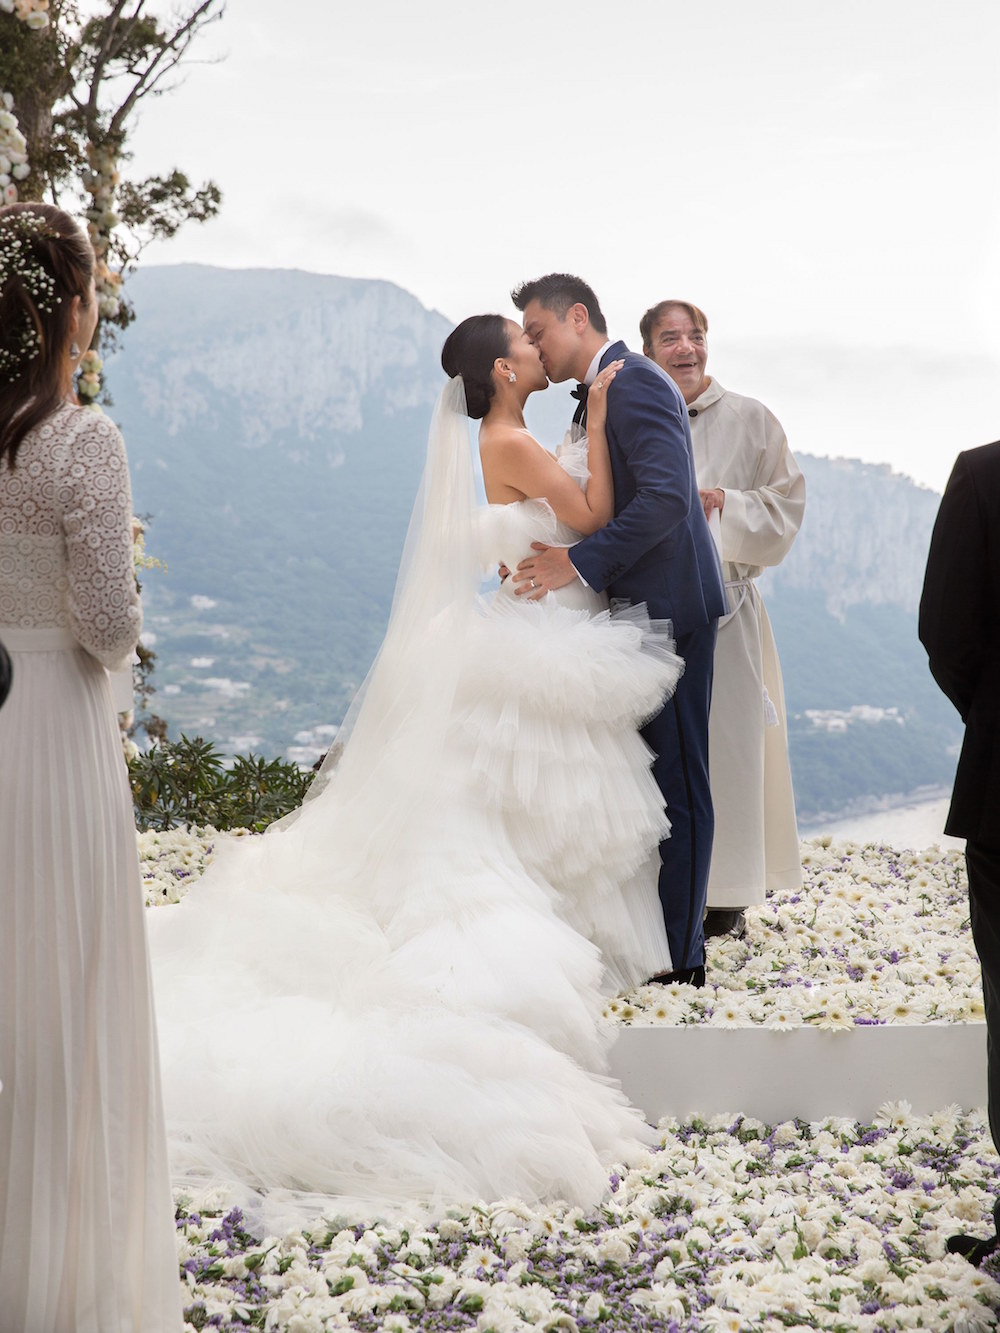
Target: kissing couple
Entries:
(393, 996)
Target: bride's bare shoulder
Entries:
(504, 439)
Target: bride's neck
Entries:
(506, 409)
(498, 417)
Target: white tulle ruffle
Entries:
(553, 744)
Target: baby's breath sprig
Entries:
(18, 260)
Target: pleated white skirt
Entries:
(86, 1222)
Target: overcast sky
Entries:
(809, 173)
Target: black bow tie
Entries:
(580, 415)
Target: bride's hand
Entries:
(597, 397)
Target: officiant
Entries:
(753, 494)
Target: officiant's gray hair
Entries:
(559, 291)
(656, 312)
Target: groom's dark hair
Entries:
(558, 291)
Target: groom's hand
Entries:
(549, 568)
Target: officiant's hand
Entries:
(548, 569)
(710, 500)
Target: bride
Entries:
(393, 995)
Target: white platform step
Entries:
(806, 1072)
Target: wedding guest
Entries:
(960, 628)
(749, 484)
(86, 1219)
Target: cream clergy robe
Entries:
(739, 447)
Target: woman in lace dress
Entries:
(395, 996)
(86, 1222)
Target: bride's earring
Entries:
(74, 351)
(512, 377)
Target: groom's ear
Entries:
(578, 316)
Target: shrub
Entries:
(188, 782)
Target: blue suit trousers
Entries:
(679, 737)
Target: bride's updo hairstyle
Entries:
(469, 351)
(45, 260)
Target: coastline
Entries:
(913, 825)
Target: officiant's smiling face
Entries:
(559, 341)
(680, 347)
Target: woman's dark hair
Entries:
(45, 260)
(469, 351)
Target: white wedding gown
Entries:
(395, 998)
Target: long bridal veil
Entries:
(411, 684)
(376, 1003)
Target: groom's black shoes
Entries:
(720, 922)
(974, 1249)
(692, 976)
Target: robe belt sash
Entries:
(747, 588)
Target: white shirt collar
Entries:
(595, 365)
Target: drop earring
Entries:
(74, 351)
(512, 377)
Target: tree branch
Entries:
(165, 59)
(102, 56)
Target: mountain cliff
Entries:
(865, 538)
(276, 424)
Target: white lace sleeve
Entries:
(103, 604)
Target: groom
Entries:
(658, 550)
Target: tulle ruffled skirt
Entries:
(394, 999)
(550, 707)
(86, 1220)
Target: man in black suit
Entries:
(960, 628)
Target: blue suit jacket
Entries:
(657, 549)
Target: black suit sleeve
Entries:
(955, 603)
